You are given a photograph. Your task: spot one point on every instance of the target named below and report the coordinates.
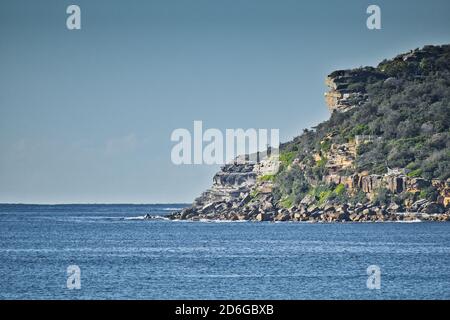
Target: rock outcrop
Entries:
(344, 92)
(233, 191)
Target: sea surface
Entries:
(122, 256)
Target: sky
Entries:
(86, 115)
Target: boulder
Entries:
(312, 208)
(185, 213)
(245, 199)
(242, 216)
(308, 200)
(342, 208)
(264, 217)
(433, 207)
(220, 207)
(419, 204)
(282, 216)
(418, 183)
(343, 216)
(394, 207)
(266, 205)
(359, 209)
(298, 216)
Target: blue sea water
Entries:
(124, 257)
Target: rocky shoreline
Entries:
(329, 213)
(239, 194)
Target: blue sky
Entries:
(86, 115)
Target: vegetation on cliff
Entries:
(405, 118)
(384, 151)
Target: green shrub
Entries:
(287, 157)
(325, 146)
(411, 166)
(340, 189)
(254, 193)
(290, 183)
(430, 194)
(287, 202)
(383, 197)
(322, 162)
(358, 86)
(415, 173)
(359, 197)
(360, 129)
(267, 177)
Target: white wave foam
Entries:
(220, 221)
(146, 217)
(409, 221)
(135, 218)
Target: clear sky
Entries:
(86, 115)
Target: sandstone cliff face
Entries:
(344, 92)
(235, 176)
(232, 192)
(231, 186)
(444, 188)
(340, 157)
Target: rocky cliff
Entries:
(384, 154)
(344, 94)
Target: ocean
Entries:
(122, 256)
